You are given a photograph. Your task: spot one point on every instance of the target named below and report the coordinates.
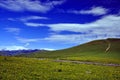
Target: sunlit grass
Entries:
(33, 69)
(93, 59)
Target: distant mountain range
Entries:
(18, 52)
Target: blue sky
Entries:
(56, 24)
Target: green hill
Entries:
(98, 50)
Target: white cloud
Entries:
(11, 19)
(93, 10)
(13, 30)
(107, 22)
(13, 47)
(27, 44)
(78, 38)
(34, 24)
(63, 38)
(75, 27)
(29, 5)
(25, 19)
(110, 22)
(28, 18)
(47, 49)
(106, 27)
(27, 40)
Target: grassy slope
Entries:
(91, 51)
(16, 68)
(33, 69)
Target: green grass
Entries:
(92, 51)
(93, 59)
(31, 68)
(16, 68)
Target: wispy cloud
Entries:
(13, 30)
(27, 44)
(28, 18)
(93, 11)
(33, 24)
(113, 21)
(13, 47)
(27, 40)
(70, 38)
(11, 19)
(25, 19)
(106, 27)
(50, 49)
(63, 38)
(29, 5)
(78, 38)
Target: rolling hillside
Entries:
(100, 61)
(98, 49)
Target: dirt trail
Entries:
(85, 62)
(109, 45)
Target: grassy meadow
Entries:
(34, 69)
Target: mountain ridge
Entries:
(18, 52)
